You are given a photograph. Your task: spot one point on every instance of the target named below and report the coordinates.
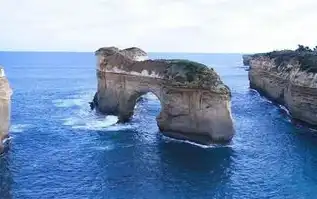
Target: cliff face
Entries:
(195, 104)
(5, 103)
(285, 79)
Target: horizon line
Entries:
(63, 51)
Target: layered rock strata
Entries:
(5, 106)
(289, 78)
(195, 103)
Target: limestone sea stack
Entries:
(5, 106)
(195, 103)
(289, 78)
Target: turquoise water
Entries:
(60, 149)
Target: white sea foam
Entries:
(169, 139)
(71, 121)
(6, 140)
(269, 101)
(261, 96)
(255, 91)
(120, 127)
(63, 103)
(19, 128)
(266, 100)
(285, 109)
(91, 123)
(83, 118)
(104, 148)
(288, 119)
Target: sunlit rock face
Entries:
(5, 103)
(282, 77)
(195, 102)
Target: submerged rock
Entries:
(5, 106)
(195, 102)
(289, 78)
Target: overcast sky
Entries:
(158, 25)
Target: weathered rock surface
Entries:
(246, 59)
(133, 53)
(195, 104)
(286, 78)
(5, 103)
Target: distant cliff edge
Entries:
(288, 77)
(5, 107)
(246, 59)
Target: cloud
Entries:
(157, 25)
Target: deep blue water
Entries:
(60, 149)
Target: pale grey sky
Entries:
(157, 25)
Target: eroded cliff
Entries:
(289, 78)
(246, 59)
(195, 103)
(5, 103)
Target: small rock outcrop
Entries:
(289, 78)
(195, 104)
(5, 109)
(246, 59)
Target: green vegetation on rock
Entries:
(304, 56)
(192, 74)
(191, 71)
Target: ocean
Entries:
(59, 148)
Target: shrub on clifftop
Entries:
(306, 58)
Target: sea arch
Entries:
(195, 104)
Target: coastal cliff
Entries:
(195, 103)
(289, 78)
(5, 106)
(246, 59)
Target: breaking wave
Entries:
(99, 123)
(79, 115)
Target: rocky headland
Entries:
(195, 103)
(246, 59)
(288, 77)
(5, 103)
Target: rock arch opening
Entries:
(195, 104)
(147, 107)
(140, 99)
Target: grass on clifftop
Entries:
(194, 73)
(306, 57)
(189, 68)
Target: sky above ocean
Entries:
(157, 25)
